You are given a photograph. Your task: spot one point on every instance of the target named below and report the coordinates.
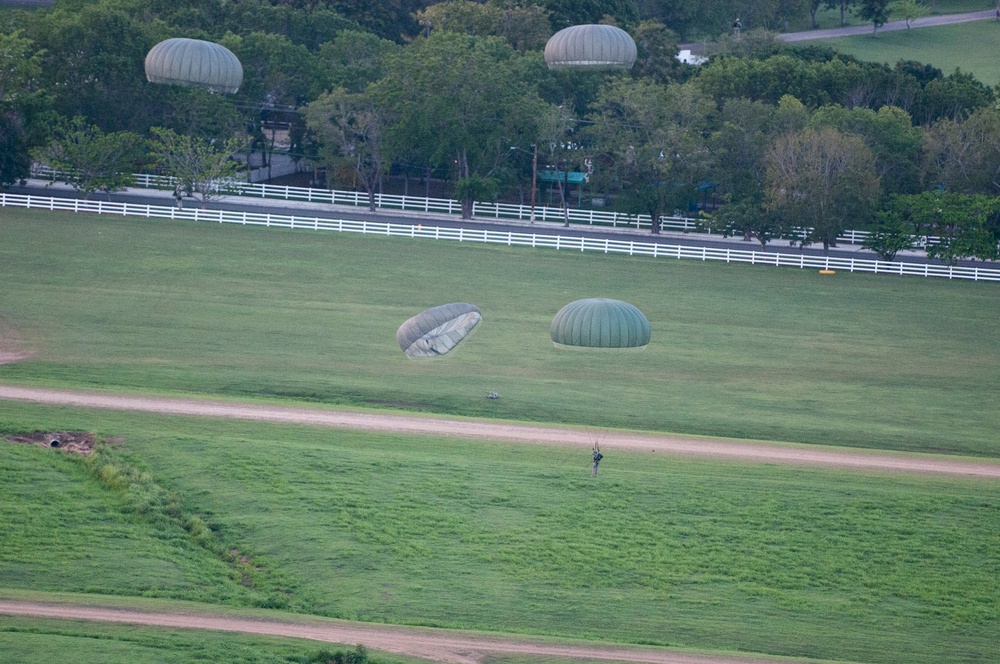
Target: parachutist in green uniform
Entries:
(597, 458)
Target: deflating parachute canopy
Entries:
(194, 62)
(600, 323)
(439, 330)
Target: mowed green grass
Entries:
(738, 351)
(971, 47)
(658, 549)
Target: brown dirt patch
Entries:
(74, 442)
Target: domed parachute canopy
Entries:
(438, 330)
(593, 45)
(600, 323)
(193, 62)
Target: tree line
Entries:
(795, 143)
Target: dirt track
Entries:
(756, 452)
(437, 645)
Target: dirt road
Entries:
(498, 431)
(439, 645)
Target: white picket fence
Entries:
(629, 247)
(604, 218)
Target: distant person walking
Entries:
(597, 457)
(737, 26)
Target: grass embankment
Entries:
(665, 550)
(737, 351)
(971, 47)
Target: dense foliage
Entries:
(458, 91)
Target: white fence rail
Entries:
(605, 218)
(631, 248)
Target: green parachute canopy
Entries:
(438, 330)
(193, 62)
(600, 323)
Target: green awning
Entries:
(573, 177)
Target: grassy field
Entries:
(971, 47)
(417, 530)
(35, 641)
(737, 351)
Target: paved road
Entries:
(924, 22)
(327, 211)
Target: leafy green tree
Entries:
(90, 160)
(757, 44)
(739, 144)
(907, 10)
(843, 5)
(749, 218)
(461, 102)
(814, 6)
(20, 68)
(822, 180)
(278, 77)
(354, 59)
(276, 72)
(92, 65)
(555, 126)
(476, 188)
(352, 127)
(389, 19)
(964, 156)
(21, 102)
(951, 97)
(653, 139)
(14, 161)
(464, 16)
(198, 166)
(889, 133)
(890, 234)
(964, 225)
(524, 26)
(876, 11)
(565, 13)
(656, 47)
